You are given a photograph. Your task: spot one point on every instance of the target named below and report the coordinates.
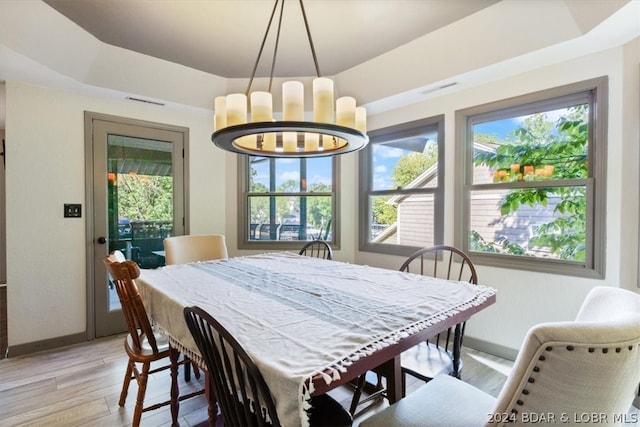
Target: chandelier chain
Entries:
(275, 49)
(264, 40)
(313, 50)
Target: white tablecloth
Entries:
(301, 316)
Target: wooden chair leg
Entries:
(125, 383)
(457, 343)
(196, 370)
(187, 370)
(212, 408)
(188, 366)
(175, 401)
(142, 389)
(357, 393)
(404, 384)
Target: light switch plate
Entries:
(72, 210)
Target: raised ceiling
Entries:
(223, 37)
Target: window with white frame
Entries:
(287, 200)
(402, 183)
(532, 195)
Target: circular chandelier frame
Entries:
(226, 138)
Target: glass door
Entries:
(138, 200)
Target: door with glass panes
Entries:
(137, 201)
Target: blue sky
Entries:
(498, 127)
(385, 158)
(318, 171)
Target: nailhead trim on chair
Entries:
(542, 358)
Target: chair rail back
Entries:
(243, 395)
(446, 262)
(123, 275)
(317, 249)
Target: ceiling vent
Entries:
(146, 101)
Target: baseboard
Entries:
(48, 344)
(490, 348)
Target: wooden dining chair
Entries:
(317, 249)
(565, 373)
(194, 247)
(239, 387)
(439, 355)
(143, 345)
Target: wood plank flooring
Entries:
(79, 386)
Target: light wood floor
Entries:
(79, 386)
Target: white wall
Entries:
(526, 298)
(46, 168)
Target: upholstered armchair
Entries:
(565, 371)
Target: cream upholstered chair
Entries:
(195, 247)
(563, 371)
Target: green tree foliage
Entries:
(563, 145)
(412, 165)
(145, 197)
(382, 211)
(258, 205)
(319, 208)
(407, 169)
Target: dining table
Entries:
(310, 324)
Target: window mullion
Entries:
(531, 184)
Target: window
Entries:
(402, 172)
(287, 200)
(533, 188)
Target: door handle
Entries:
(102, 240)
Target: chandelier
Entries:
(336, 128)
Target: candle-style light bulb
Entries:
(346, 111)
(220, 113)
